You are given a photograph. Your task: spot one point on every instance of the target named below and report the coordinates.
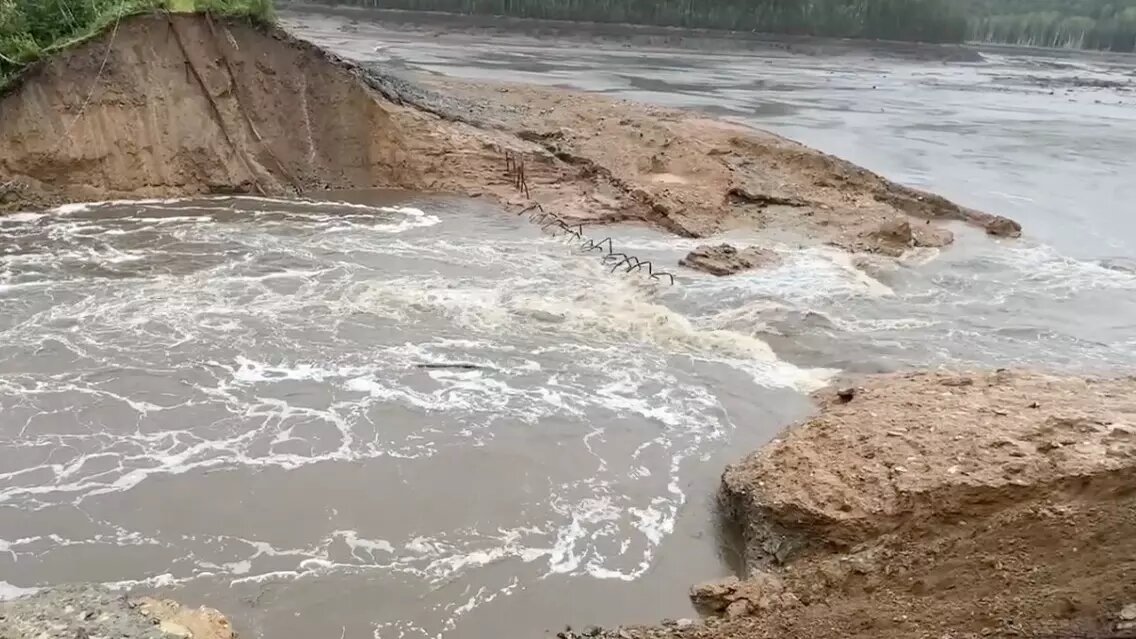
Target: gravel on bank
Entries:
(86, 611)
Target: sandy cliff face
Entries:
(935, 506)
(945, 504)
(185, 105)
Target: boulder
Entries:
(890, 237)
(1003, 227)
(725, 259)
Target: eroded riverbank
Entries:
(336, 310)
(937, 504)
(586, 158)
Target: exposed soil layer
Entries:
(938, 505)
(180, 105)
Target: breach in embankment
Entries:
(958, 505)
(167, 105)
(918, 505)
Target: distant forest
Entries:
(1088, 24)
(1075, 24)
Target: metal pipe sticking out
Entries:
(625, 260)
(571, 230)
(551, 223)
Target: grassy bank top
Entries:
(31, 29)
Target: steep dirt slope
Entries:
(167, 115)
(185, 104)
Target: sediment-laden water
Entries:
(401, 416)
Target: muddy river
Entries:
(389, 415)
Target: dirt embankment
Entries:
(938, 505)
(922, 505)
(183, 105)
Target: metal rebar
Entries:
(569, 229)
(626, 260)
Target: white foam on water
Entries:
(269, 364)
(82, 207)
(69, 209)
(1044, 267)
(351, 538)
(20, 218)
(607, 309)
(9, 592)
(865, 325)
(9, 288)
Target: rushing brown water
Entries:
(395, 416)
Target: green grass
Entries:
(32, 29)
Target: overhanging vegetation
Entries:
(31, 29)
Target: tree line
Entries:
(1080, 24)
(924, 20)
(1090, 24)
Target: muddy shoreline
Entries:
(836, 545)
(937, 504)
(586, 158)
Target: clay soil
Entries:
(938, 505)
(186, 105)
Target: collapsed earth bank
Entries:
(177, 105)
(940, 505)
(917, 505)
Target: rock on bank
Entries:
(93, 612)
